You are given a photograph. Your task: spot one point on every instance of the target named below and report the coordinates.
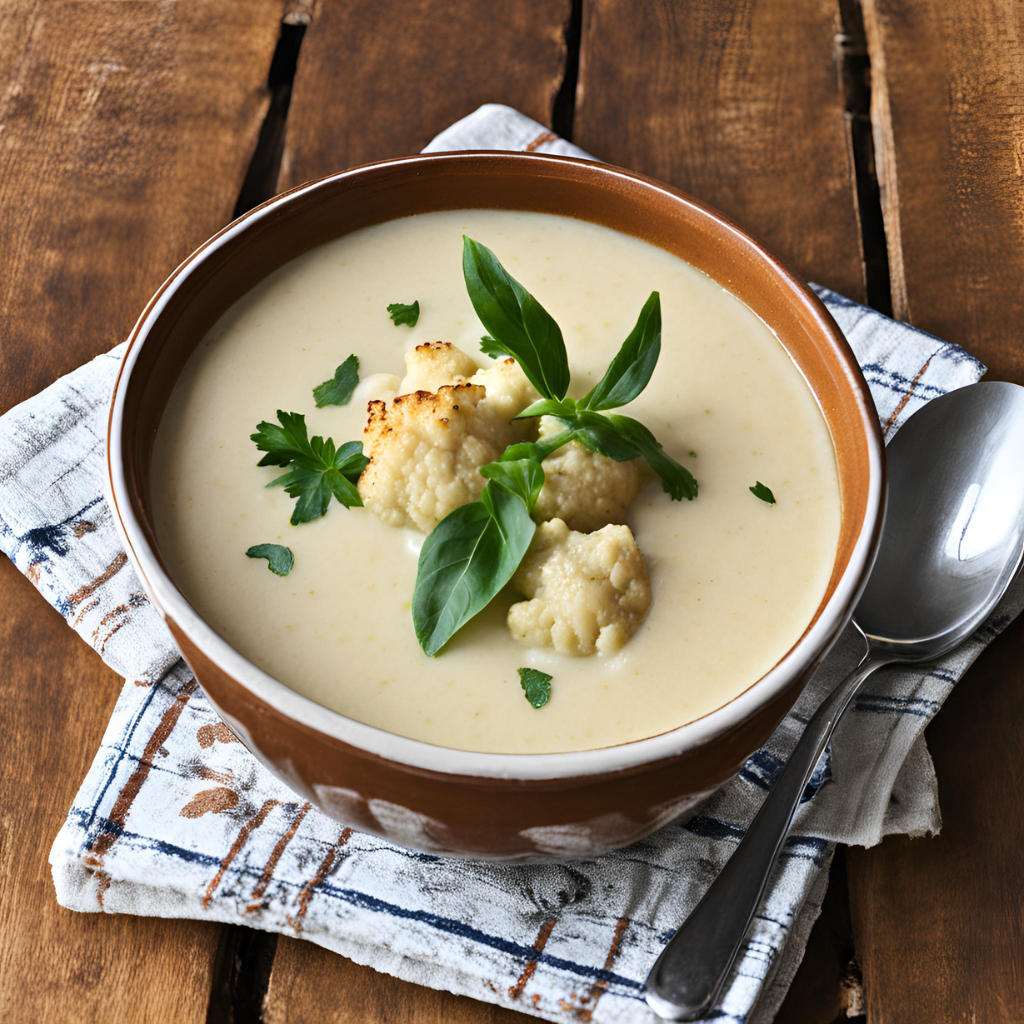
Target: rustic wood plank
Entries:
(311, 984)
(949, 125)
(374, 81)
(937, 922)
(57, 965)
(739, 103)
(125, 131)
(380, 80)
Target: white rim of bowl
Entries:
(418, 753)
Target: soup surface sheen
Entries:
(734, 580)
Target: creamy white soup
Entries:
(734, 581)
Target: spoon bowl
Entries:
(954, 531)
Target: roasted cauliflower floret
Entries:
(509, 391)
(435, 364)
(589, 591)
(425, 451)
(585, 489)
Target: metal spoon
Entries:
(953, 541)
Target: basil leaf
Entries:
(536, 451)
(518, 324)
(596, 431)
(562, 407)
(470, 555)
(491, 348)
(279, 558)
(536, 685)
(523, 477)
(338, 390)
(621, 438)
(764, 493)
(676, 480)
(401, 313)
(631, 369)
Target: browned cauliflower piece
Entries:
(425, 452)
(589, 592)
(435, 364)
(585, 489)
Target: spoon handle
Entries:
(687, 977)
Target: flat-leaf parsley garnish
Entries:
(401, 313)
(491, 348)
(764, 493)
(338, 390)
(317, 470)
(475, 550)
(279, 558)
(536, 685)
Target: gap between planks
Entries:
(855, 76)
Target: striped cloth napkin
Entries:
(176, 819)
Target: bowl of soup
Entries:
(565, 485)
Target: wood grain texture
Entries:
(937, 922)
(378, 80)
(311, 984)
(949, 138)
(738, 102)
(57, 965)
(125, 131)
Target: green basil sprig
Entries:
(473, 552)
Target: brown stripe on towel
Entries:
(906, 398)
(130, 790)
(542, 140)
(516, 990)
(589, 1002)
(317, 880)
(243, 834)
(90, 588)
(275, 856)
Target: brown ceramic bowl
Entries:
(516, 807)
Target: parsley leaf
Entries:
(279, 558)
(470, 555)
(400, 313)
(491, 348)
(317, 469)
(519, 325)
(631, 369)
(338, 390)
(536, 685)
(764, 493)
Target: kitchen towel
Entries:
(176, 819)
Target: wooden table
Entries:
(881, 151)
